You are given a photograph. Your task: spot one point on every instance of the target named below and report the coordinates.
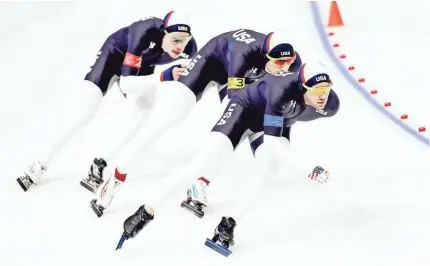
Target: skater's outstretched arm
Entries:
(275, 150)
(142, 41)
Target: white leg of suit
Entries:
(90, 97)
(173, 103)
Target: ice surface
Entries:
(374, 210)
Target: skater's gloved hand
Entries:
(319, 174)
(172, 73)
(177, 71)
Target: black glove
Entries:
(168, 73)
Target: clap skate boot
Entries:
(95, 175)
(223, 236)
(107, 190)
(196, 197)
(224, 232)
(31, 175)
(135, 223)
(97, 208)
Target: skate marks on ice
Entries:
(293, 214)
(48, 229)
(181, 226)
(343, 215)
(229, 193)
(302, 216)
(365, 219)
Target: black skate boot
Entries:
(135, 223)
(95, 175)
(224, 232)
(98, 209)
(25, 182)
(223, 236)
(193, 206)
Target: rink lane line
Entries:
(332, 49)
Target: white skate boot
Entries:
(31, 175)
(107, 191)
(196, 197)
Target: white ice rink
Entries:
(374, 211)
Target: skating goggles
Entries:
(283, 61)
(178, 38)
(318, 90)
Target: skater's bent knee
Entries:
(93, 87)
(175, 96)
(219, 142)
(177, 89)
(89, 91)
(87, 98)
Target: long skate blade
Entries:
(220, 249)
(190, 208)
(88, 186)
(121, 241)
(96, 208)
(23, 186)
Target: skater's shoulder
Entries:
(333, 104)
(247, 37)
(151, 20)
(283, 79)
(147, 23)
(190, 50)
